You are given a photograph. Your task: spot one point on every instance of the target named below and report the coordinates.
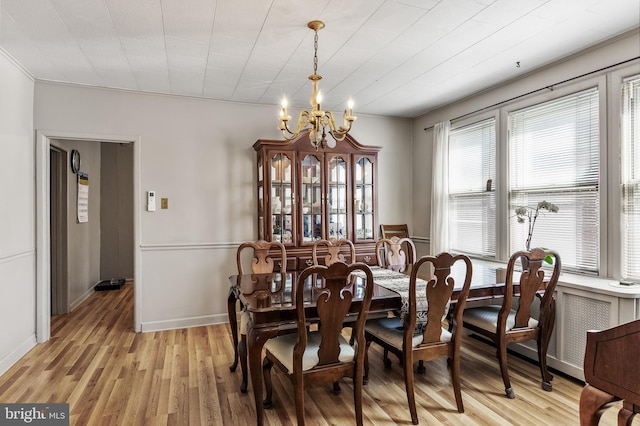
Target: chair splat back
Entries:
(333, 303)
(438, 293)
(398, 252)
(262, 262)
(532, 281)
(334, 251)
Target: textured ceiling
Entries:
(394, 57)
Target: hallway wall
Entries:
(17, 212)
(83, 239)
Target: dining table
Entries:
(269, 301)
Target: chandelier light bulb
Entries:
(283, 115)
(349, 112)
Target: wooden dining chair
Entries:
(335, 252)
(512, 321)
(611, 373)
(431, 340)
(324, 355)
(399, 230)
(262, 262)
(395, 252)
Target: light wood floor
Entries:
(110, 375)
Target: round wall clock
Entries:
(75, 161)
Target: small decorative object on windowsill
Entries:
(531, 215)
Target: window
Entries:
(631, 178)
(472, 201)
(554, 156)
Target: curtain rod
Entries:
(550, 87)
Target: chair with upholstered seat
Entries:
(512, 320)
(398, 253)
(335, 252)
(412, 338)
(262, 262)
(323, 355)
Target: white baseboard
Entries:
(184, 323)
(567, 368)
(84, 296)
(21, 350)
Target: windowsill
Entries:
(600, 285)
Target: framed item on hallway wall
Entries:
(83, 197)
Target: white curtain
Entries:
(439, 189)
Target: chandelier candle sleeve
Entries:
(317, 121)
(283, 111)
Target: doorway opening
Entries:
(52, 179)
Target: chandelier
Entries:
(318, 121)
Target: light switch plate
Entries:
(164, 203)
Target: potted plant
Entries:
(530, 215)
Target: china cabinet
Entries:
(305, 195)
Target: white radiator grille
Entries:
(582, 314)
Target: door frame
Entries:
(43, 231)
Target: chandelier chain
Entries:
(315, 53)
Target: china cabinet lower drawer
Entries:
(292, 263)
(368, 258)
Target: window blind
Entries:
(630, 157)
(472, 201)
(554, 157)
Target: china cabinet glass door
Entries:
(311, 203)
(260, 199)
(363, 199)
(337, 197)
(282, 205)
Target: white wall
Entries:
(623, 48)
(17, 212)
(198, 154)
